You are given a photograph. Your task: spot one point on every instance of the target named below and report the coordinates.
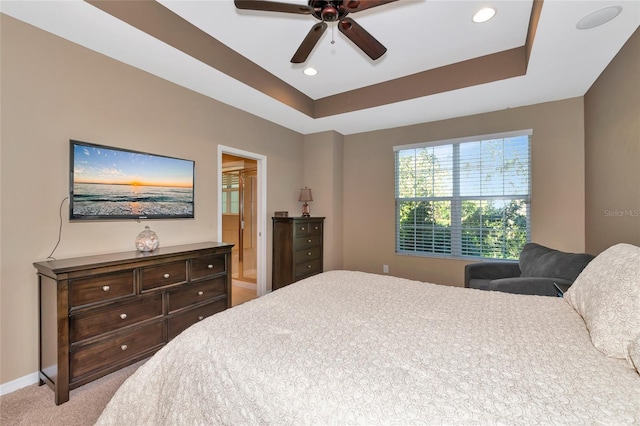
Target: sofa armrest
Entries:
(490, 271)
(528, 285)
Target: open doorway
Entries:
(239, 221)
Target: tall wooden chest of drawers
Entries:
(101, 313)
(297, 249)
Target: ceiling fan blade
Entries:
(309, 43)
(361, 38)
(273, 6)
(358, 5)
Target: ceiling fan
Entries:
(326, 11)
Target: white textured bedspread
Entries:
(346, 348)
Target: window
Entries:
(465, 197)
(230, 192)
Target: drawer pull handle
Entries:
(123, 316)
(302, 228)
(105, 288)
(309, 254)
(166, 275)
(309, 241)
(309, 266)
(316, 228)
(200, 293)
(124, 347)
(200, 318)
(210, 266)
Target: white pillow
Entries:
(634, 353)
(607, 296)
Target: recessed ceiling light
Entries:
(310, 71)
(483, 15)
(599, 17)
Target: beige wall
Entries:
(323, 174)
(557, 213)
(612, 146)
(53, 91)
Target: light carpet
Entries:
(34, 405)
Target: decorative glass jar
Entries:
(147, 240)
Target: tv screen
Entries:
(115, 183)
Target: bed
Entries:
(347, 347)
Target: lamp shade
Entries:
(305, 195)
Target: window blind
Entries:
(464, 198)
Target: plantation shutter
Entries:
(230, 192)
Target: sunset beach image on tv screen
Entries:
(116, 183)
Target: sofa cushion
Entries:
(479, 283)
(607, 296)
(490, 270)
(540, 261)
(538, 286)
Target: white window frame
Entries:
(455, 199)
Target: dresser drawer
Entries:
(180, 322)
(193, 293)
(308, 268)
(100, 321)
(301, 243)
(100, 288)
(309, 228)
(308, 254)
(162, 275)
(207, 265)
(115, 350)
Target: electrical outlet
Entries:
(385, 269)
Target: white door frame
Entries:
(261, 261)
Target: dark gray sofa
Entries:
(537, 270)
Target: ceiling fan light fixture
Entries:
(484, 14)
(329, 14)
(599, 17)
(310, 71)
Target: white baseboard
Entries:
(19, 383)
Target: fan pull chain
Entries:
(333, 27)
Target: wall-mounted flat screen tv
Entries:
(109, 183)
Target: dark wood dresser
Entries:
(297, 249)
(101, 313)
